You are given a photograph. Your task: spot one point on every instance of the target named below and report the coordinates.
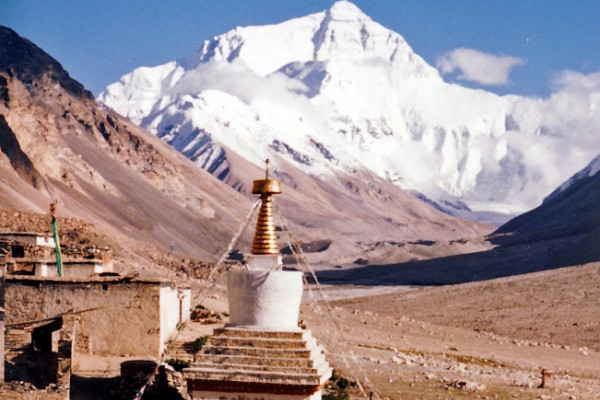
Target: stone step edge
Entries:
(184, 357)
(245, 376)
(180, 345)
(256, 360)
(315, 358)
(268, 352)
(274, 334)
(266, 343)
(258, 367)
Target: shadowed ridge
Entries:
(9, 145)
(564, 231)
(29, 63)
(574, 211)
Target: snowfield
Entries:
(336, 91)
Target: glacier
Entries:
(336, 91)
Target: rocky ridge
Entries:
(59, 146)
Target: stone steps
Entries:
(187, 347)
(183, 345)
(258, 367)
(189, 358)
(249, 333)
(260, 342)
(262, 357)
(281, 378)
(249, 360)
(181, 350)
(258, 351)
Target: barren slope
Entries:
(571, 216)
(58, 145)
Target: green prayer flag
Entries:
(57, 248)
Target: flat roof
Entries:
(53, 260)
(36, 234)
(111, 279)
(85, 279)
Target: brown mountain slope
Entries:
(58, 144)
(362, 216)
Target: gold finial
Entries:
(267, 161)
(265, 238)
(262, 186)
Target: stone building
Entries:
(56, 324)
(25, 253)
(125, 316)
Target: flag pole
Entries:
(59, 266)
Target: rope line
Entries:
(210, 284)
(232, 245)
(301, 259)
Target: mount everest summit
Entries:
(335, 92)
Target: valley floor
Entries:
(479, 340)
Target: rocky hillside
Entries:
(57, 144)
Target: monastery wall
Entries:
(126, 323)
(175, 307)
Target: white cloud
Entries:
(238, 80)
(573, 110)
(476, 66)
(557, 136)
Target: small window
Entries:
(18, 251)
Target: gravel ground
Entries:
(481, 340)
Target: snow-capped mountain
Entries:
(335, 91)
(57, 144)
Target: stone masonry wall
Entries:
(126, 323)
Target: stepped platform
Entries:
(272, 363)
(181, 350)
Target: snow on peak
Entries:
(341, 32)
(334, 91)
(346, 33)
(346, 11)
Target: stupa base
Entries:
(256, 364)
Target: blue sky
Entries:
(530, 41)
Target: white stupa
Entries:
(262, 353)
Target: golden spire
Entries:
(265, 238)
